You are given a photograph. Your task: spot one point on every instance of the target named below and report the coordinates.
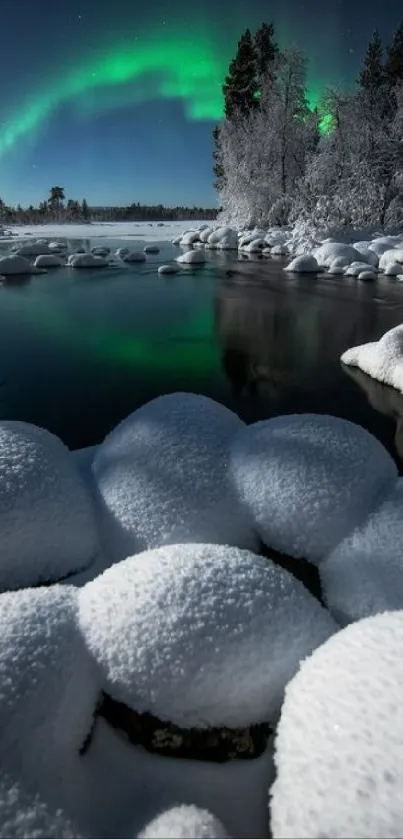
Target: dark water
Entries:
(79, 350)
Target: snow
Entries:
(393, 269)
(357, 268)
(149, 232)
(204, 235)
(364, 574)
(308, 480)
(200, 635)
(368, 275)
(122, 252)
(162, 475)
(34, 249)
(49, 260)
(135, 256)
(87, 260)
(14, 265)
(191, 258)
(336, 270)
(25, 815)
(100, 250)
(382, 244)
(168, 269)
(391, 257)
(383, 359)
(327, 253)
(190, 237)
(279, 250)
(46, 518)
(339, 751)
(220, 235)
(184, 822)
(340, 262)
(303, 265)
(151, 249)
(255, 246)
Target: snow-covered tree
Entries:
(394, 59)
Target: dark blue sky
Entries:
(104, 100)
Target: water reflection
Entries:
(384, 399)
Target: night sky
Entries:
(116, 101)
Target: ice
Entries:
(327, 253)
(308, 480)
(339, 747)
(383, 359)
(168, 269)
(14, 265)
(99, 230)
(47, 522)
(48, 260)
(87, 260)
(191, 258)
(364, 574)
(303, 265)
(201, 635)
(185, 822)
(162, 475)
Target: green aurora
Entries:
(155, 68)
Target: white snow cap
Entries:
(383, 359)
(391, 256)
(393, 269)
(168, 269)
(308, 480)
(163, 477)
(134, 256)
(382, 244)
(201, 635)
(191, 257)
(49, 260)
(219, 235)
(184, 822)
(204, 234)
(356, 268)
(48, 685)
(339, 750)
(364, 574)
(33, 249)
(367, 275)
(303, 265)
(47, 523)
(190, 237)
(14, 265)
(87, 260)
(330, 251)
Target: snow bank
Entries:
(200, 635)
(191, 258)
(382, 244)
(364, 574)
(308, 480)
(162, 475)
(303, 265)
(339, 750)
(327, 253)
(383, 359)
(46, 518)
(184, 822)
(87, 260)
(48, 260)
(14, 265)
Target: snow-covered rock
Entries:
(101, 250)
(220, 234)
(390, 257)
(204, 235)
(308, 480)
(303, 265)
(168, 269)
(356, 268)
(177, 240)
(340, 262)
(383, 359)
(121, 252)
(184, 822)
(255, 246)
(191, 258)
(229, 241)
(34, 249)
(393, 269)
(367, 275)
(364, 574)
(327, 253)
(335, 270)
(57, 246)
(87, 260)
(339, 749)
(48, 260)
(200, 635)
(190, 237)
(381, 245)
(14, 265)
(279, 250)
(134, 256)
(151, 249)
(162, 475)
(47, 524)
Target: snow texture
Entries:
(364, 574)
(303, 265)
(25, 815)
(162, 475)
(201, 635)
(87, 260)
(14, 265)
(383, 359)
(308, 480)
(326, 254)
(190, 237)
(339, 749)
(47, 523)
(191, 258)
(184, 822)
(356, 268)
(48, 260)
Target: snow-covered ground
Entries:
(145, 231)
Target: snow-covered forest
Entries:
(339, 166)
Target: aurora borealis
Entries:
(117, 102)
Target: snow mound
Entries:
(151, 249)
(383, 359)
(190, 237)
(279, 250)
(255, 246)
(393, 269)
(134, 256)
(121, 252)
(340, 262)
(339, 750)
(381, 245)
(367, 275)
(14, 265)
(162, 475)
(87, 260)
(48, 260)
(308, 480)
(205, 234)
(201, 635)
(184, 822)
(101, 250)
(191, 258)
(33, 249)
(327, 253)
(47, 524)
(229, 241)
(221, 234)
(303, 265)
(48, 684)
(336, 270)
(364, 574)
(356, 268)
(390, 257)
(168, 269)
(57, 246)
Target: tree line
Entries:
(278, 161)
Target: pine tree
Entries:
(240, 85)
(266, 50)
(218, 168)
(394, 63)
(372, 76)
(85, 213)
